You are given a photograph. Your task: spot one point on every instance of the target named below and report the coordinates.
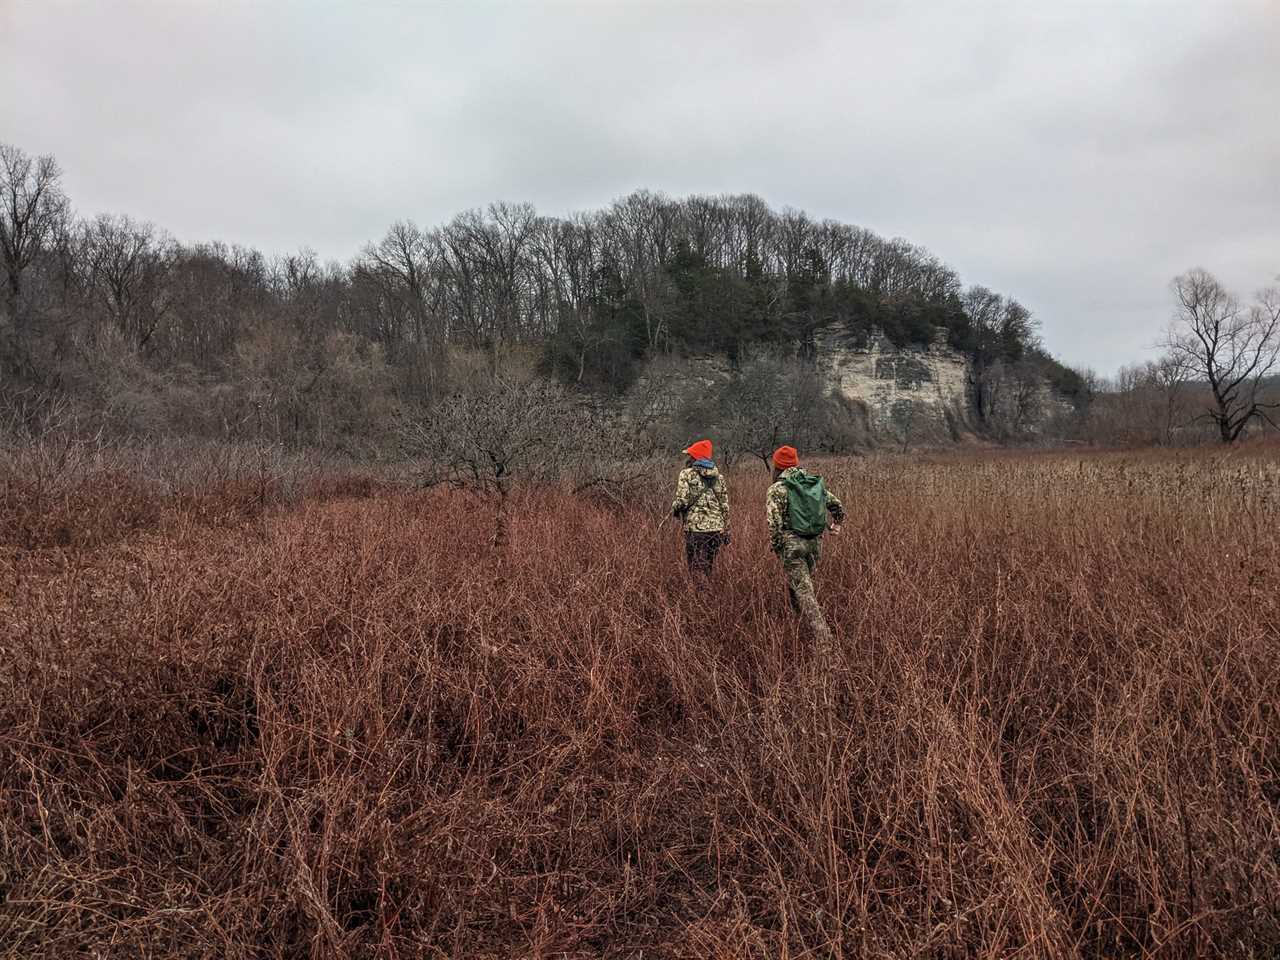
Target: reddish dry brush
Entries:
(350, 728)
(62, 490)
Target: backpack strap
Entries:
(701, 493)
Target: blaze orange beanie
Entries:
(700, 450)
(785, 457)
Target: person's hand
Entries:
(834, 528)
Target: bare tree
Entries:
(220, 294)
(984, 308)
(405, 296)
(33, 209)
(904, 416)
(129, 265)
(1145, 404)
(1025, 398)
(489, 439)
(405, 261)
(642, 230)
(1231, 347)
(771, 400)
(568, 260)
(1168, 379)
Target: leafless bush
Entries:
(493, 436)
(504, 432)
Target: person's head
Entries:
(701, 450)
(783, 459)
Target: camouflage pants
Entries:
(800, 557)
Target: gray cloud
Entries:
(1076, 156)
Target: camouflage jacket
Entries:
(702, 512)
(776, 510)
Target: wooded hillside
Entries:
(155, 336)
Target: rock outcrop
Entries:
(896, 395)
(906, 392)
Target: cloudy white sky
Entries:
(1075, 155)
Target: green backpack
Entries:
(806, 503)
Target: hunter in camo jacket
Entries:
(799, 555)
(702, 504)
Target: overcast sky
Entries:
(1074, 155)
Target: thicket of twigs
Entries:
(346, 726)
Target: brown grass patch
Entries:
(349, 728)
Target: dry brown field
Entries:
(240, 721)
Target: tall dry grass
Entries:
(348, 728)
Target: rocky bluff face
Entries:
(921, 391)
(936, 393)
(904, 395)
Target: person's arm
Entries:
(775, 506)
(683, 494)
(724, 500)
(835, 508)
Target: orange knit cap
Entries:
(785, 457)
(700, 450)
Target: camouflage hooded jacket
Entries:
(702, 503)
(777, 509)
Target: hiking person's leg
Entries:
(803, 565)
(700, 552)
(796, 568)
(714, 542)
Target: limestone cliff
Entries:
(899, 395)
(904, 391)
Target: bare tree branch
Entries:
(1232, 347)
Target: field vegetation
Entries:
(301, 711)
